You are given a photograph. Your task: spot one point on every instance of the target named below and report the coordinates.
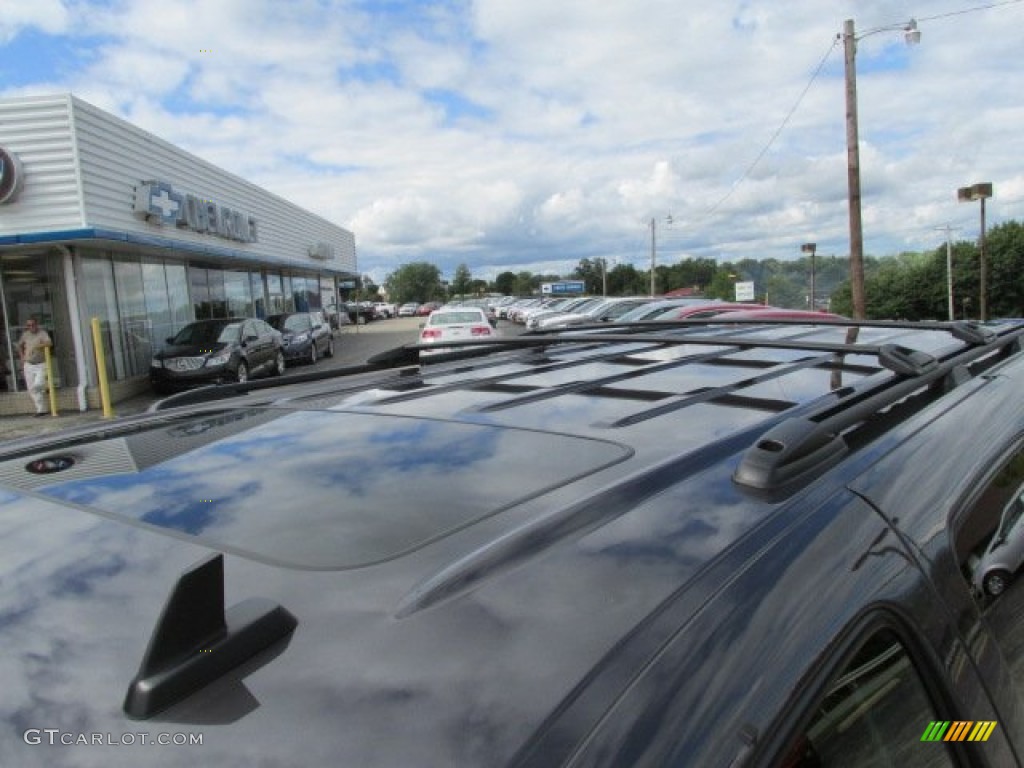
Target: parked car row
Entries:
(236, 349)
(548, 313)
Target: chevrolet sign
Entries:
(159, 202)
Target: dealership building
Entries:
(101, 219)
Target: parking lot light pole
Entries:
(810, 248)
(912, 36)
(980, 191)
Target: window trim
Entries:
(826, 669)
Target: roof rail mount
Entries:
(789, 451)
(905, 361)
(196, 642)
(971, 332)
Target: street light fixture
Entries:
(810, 248)
(980, 191)
(912, 36)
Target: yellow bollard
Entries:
(49, 381)
(101, 368)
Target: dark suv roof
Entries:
(578, 549)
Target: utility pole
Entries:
(853, 173)
(654, 250)
(912, 37)
(949, 268)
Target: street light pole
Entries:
(810, 248)
(980, 191)
(853, 155)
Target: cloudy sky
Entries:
(528, 134)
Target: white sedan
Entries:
(455, 324)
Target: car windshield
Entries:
(456, 318)
(294, 323)
(208, 332)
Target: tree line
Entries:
(909, 285)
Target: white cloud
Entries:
(535, 132)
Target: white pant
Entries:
(35, 382)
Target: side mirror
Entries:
(169, 339)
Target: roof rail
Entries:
(797, 449)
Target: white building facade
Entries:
(100, 219)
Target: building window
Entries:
(259, 294)
(238, 292)
(133, 325)
(199, 292)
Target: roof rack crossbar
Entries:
(714, 393)
(585, 386)
(553, 365)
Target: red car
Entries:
(774, 313)
(699, 311)
(742, 312)
(426, 309)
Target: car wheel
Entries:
(996, 582)
(242, 373)
(312, 352)
(330, 347)
(279, 364)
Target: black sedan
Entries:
(306, 335)
(217, 351)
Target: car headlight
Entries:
(218, 359)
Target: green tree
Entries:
(590, 272)
(524, 285)
(416, 281)
(367, 290)
(1004, 250)
(505, 283)
(461, 281)
(625, 280)
(723, 283)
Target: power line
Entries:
(969, 10)
(814, 76)
(782, 125)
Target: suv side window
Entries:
(988, 542)
(871, 715)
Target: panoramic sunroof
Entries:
(316, 489)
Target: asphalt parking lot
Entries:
(353, 345)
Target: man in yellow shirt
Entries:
(30, 348)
